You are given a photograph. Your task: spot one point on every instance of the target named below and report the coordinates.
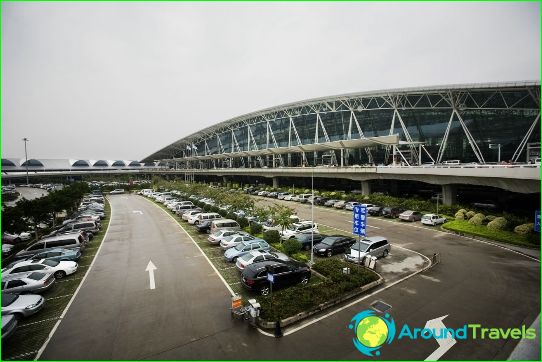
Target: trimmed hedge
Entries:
(255, 228)
(477, 219)
(499, 223)
(291, 247)
(524, 229)
(272, 237)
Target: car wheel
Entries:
(59, 274)
(329, 253)
(304, 280)
(264, 291)
(385, 253)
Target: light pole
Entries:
(498, 147)
(26, 158)
(312, 216)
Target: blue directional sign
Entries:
(359, 220)
(270, 277)
(537, 221)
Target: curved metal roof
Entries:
(375, 93)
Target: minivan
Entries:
(66, 241)
(377, 246)
(204, 216)
(224, 224)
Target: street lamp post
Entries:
(26, 159)
(312, 216)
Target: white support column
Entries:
(449, 194)
(365, 187)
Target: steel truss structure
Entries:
(432, 124)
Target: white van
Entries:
(224, 224)
(196, 220)
(377, 246)
(303, 198)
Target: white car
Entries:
(59, 268)
(303, 227)
(288, 197)
(433, 219)
(116, 192)
(257, 256)
(234, 240)
(216, 237)
(22, 305)
(188, 215)
(269, 225)
(350, 205)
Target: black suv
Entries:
(392, 212)
(333, 245)
(285, 273)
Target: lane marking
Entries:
(197, 246)
(151, 268)
(20, 356)
(40, 351)
(38, 322)
(444, 343)
(62, 296)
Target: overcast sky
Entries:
(122, 80)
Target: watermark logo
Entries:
(372, 332)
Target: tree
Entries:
(281, 215)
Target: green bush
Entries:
(231, 215)
(206, 208)
(255, 228)
(460, 215)
(243, 222)
(291, 246)
(470, 214)
(300, 257)
(477, 219)
(524, 229)
(272, 236)
(215, 209)
(490, 218)
(500, 223)
(462, 210)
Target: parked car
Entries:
(204, 226)
(270, 225)
(339, 204)
(116, 192)
(59, 254)
(187, 215)
(216, 237)
(282, 195)
(257, 256)
(377, 246)
(23, 305)
(331, 202)
(233, 240)
(410, 215)
(305, 240)
(59, 268)
(224, 224)
(90, 227)
(289, 197)
(320, 200)
(350, 205)
(303, 198)
(244, 247)
(197, 219)
(30, 282)
(303, 227)
(391, 212)
(375, 210)
(433, 219)
(285, 273)
(9, 324)
(333, 245)
(66, 241)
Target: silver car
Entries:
(59, 268)
(9, 324)
(22, 305)
(34, 282)
(216, 237)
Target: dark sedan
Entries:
(285, 273)
(333, 245)
(204, 226)
(305, 240)
(321, 200)
(392, 212)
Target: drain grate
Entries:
(380, 306)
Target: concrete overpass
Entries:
(515, 178)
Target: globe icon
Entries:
(372, 331)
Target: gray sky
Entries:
(122, 80)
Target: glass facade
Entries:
(492, 115)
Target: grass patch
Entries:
(33, 331)
(504, 236)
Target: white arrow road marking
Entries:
(444, 343)
(151, 268)
(138, 212)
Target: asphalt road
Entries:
(29, 193)
(116, 316)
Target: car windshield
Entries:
(246, 257)
(408, 212)
(229, 237)
(51, 262)
(360, 246)
(329, 241)
(240, 247)
(36, 276)
(7, 299)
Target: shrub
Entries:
(255, 228)
(231, 215)
(499, 223)
(272, 236)
(460, 215)
(243, 222)
(470, 214)
(206, 208)
(477, 219)
(524, 229)
(462, 210)
(215, 209)
(300, 257)
(490, 218)
(291, 246)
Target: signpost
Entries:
(359, 225)
(537, 221)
